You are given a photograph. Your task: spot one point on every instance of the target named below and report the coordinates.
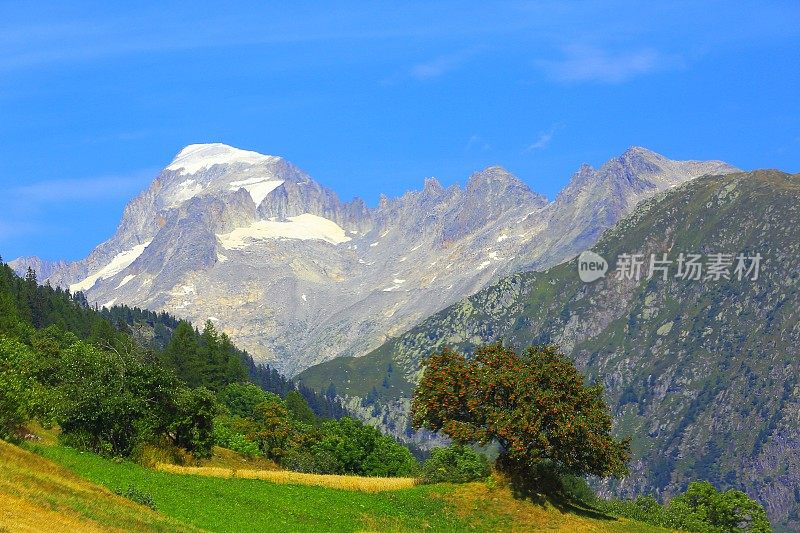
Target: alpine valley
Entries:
(351, 299)
(296, 277)
(703, 373)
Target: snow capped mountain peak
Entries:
(196, 157)
(255, 232)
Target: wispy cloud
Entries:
(476, 142)
(544, 138)
(583, 63)
(433, 68)
(26, 226)
(439, 66)
(26, 209)
(98, 188)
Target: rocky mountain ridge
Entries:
(700, 367)
(297, 277)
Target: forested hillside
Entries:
(206, 358)
(128, 383)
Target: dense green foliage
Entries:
(17, 386)
(241, 398)
(119, 379)
(701, 508)
(157, 330)
(286, 431)
(535, 406)
(62, 362)
(106, 400)
(210, 361)
(455, 464)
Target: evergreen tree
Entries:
(182, 354)
(298, 408)
(235, 371)
(211, 357)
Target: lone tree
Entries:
(535, 406)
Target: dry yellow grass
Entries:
(357, 483)
(38, 495)
(224, 458)
(21, 514)
(496, 509)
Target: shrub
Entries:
(345, 446)
(16, 386)
(193, 425)
(227, 438)
(352, 447)
(389, 459)
(139, 496)
(731, 510)
(455, 464)
(701, 508)
(241, 398)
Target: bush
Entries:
(701, 508)
(455, 464)
(193, 424)
(139, 496)
(227, 438)
(351, 447)
(310, 461)
(731, 510)
(575, 488)
(389, 459)
(16, 386)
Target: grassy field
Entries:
(237, 504)
(357, 483)
(38, 495)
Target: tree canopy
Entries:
(535, 405)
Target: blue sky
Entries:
(373, 97)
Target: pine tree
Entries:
(182, 354)
(235, 371)
(298, 407)
(212, 359)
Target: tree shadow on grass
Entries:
(545, 487)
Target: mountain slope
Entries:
(297, 277)
(704, 374)
(38, 495)
(237, 504)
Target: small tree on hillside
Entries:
(535, 406)
(298, 408)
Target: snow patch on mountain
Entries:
(120, 262)
(125, 280)
(186, 190)
(303, 227)
(258, 188)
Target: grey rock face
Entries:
(43, 268)
(297, 277)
